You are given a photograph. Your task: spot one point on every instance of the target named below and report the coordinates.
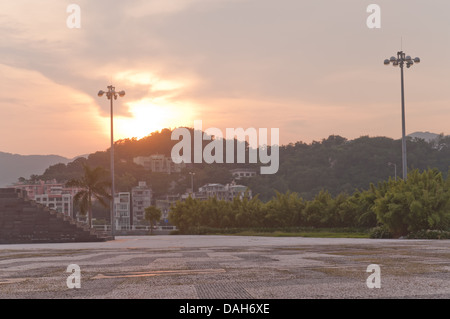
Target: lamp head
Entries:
(386, 62)
(122, 93)
(100, 93)
(416, 60)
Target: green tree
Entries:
(284, 210)
(357, 210)
(420, 202)
(94, 185)
(181, 214)
(248, 212)
(152, 214)
(321, 211)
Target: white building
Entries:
(222, 192)
(57, 197)
(239, 173)
(141, 197)
(159, 164)
(122, 208)
(62, 203)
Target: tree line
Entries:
(334, 163)
(318, 184)
(342, 166)
(399, 207)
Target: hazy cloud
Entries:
(311, 68)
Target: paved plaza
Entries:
(230, 267)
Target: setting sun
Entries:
(159, 108)
(148, 116)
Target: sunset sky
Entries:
(311, 68)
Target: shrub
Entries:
(420, 202)
(380, 232)
(429, 234)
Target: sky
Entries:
(310, 68)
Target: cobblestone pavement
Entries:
(216, 267)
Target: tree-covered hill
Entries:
(340, 165)
(335, 164)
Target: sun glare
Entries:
(147, 117)
(159, 110)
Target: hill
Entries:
(335, 164)
(427, 136)
(13, 166)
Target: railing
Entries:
(132, 228)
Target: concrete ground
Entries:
(227, 267)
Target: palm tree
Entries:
(93, 185)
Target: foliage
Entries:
(390, 209)
(152, 214)
(321, 184)
(281, 232)
(334, 164)
(381, 231)
(429, 234)
(93, 184)
(420, 202)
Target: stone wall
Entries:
(25, 221)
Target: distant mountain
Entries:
(13, 166)
(427, 136)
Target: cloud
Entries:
(46, 116)
(303, 66)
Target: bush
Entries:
(429, 234)
(403, 207)
(380, 232)
(420, 202)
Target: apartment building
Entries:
(122, 209)
(159, 164)
(141, 198)
(226, 192)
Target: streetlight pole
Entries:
(192, 181)
(401, 60)
(111, 94)
(395, 169)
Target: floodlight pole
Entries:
(400, 61)
(192, 182)
(395, 169)
(113, 191)
(404, 162)
(112, 95)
